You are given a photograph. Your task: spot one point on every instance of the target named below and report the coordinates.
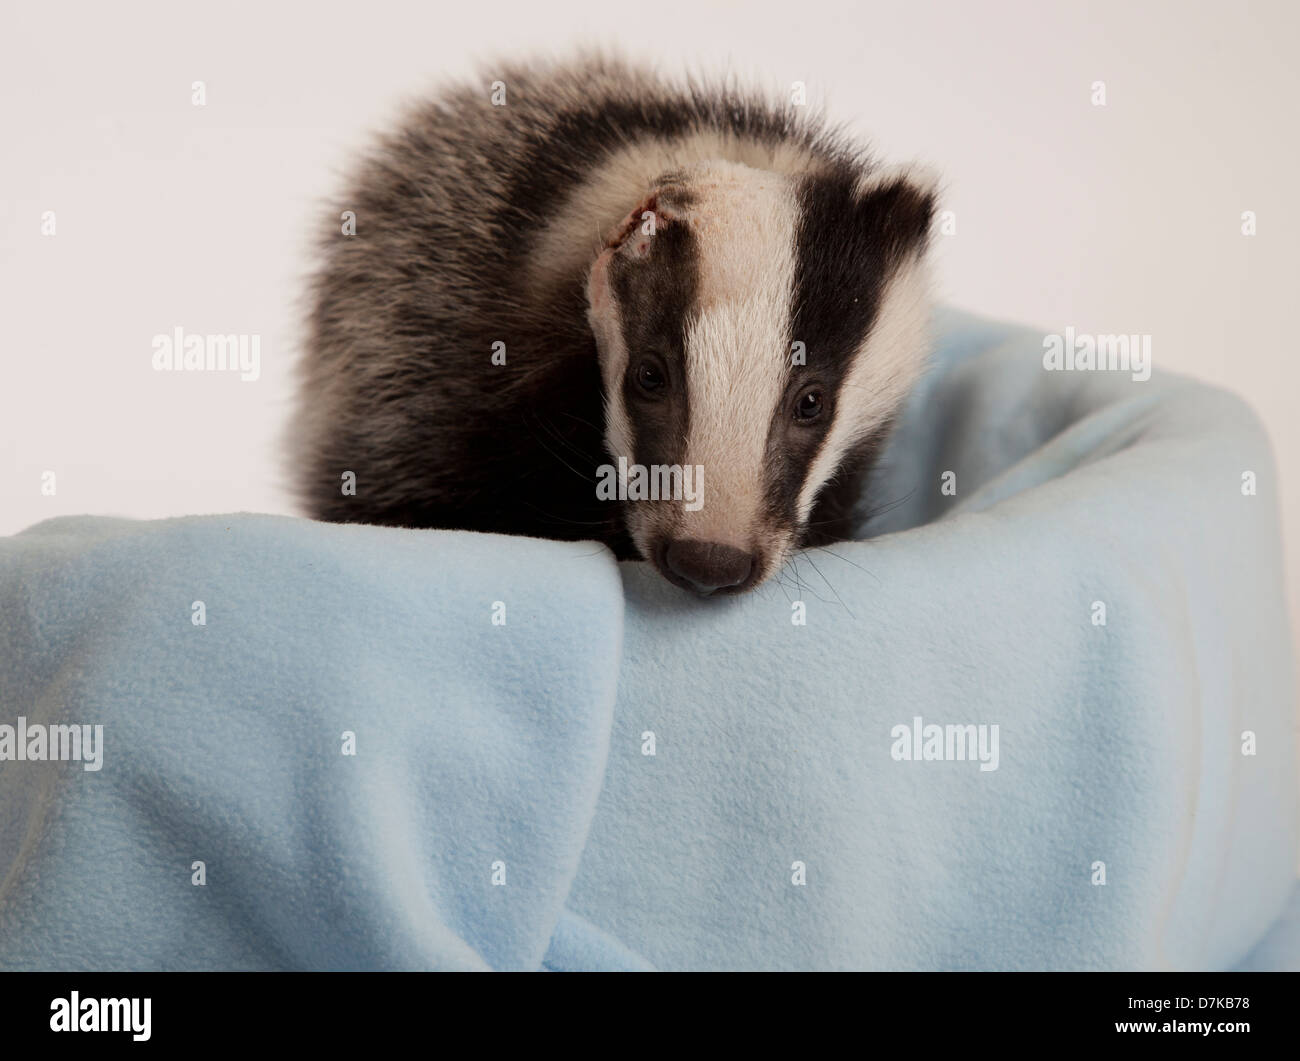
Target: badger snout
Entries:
(706, 568)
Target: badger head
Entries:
(755, 331)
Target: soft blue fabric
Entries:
(1279, 951)
(501, 810)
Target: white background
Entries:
(1123, 218)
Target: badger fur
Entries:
(681, 275)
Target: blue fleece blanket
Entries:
(1043, 721)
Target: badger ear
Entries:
(898, 204)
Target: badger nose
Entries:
(707, 567)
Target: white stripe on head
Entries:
(883, 370)
(569, 241)
(736, 352)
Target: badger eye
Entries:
(650, 378)
(808, 406)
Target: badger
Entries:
(579, 265)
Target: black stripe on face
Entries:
(655, 291)
(848, 246)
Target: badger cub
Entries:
(585, 268)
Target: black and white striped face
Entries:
(761, 328)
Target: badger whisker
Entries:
(829, 586)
